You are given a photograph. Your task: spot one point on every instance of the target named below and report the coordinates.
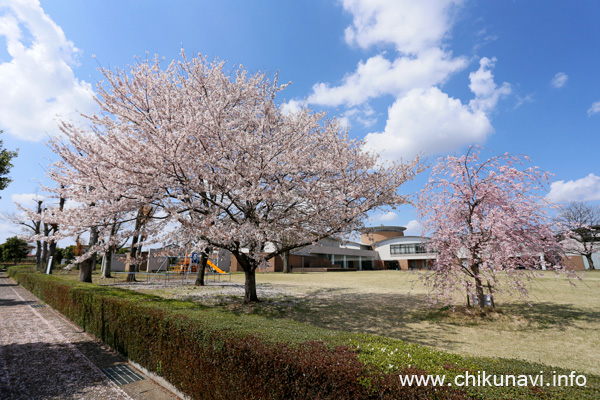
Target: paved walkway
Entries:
(45, 356)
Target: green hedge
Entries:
(210, 354)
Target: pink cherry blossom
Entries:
(488, 224)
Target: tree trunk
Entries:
(478, 286)
(590, 261)
(201, 269)
(249, 267)
(106, 272)
(38, 254)
(285, 256)
(132, 263)
(44, 261)
(38, 243)
(54, 230)
(85, 269)
(250, 286)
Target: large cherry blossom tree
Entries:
(488, 225)
(222, 166)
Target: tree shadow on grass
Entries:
(393, 315)
(551, 315)
(409, 317)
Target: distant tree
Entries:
(14, 249)
(69, 252)
(54, 229)
(487, 224)
(32, 226)
(59, 255)
(579, 224)
(6, 157)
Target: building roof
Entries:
(384, 228)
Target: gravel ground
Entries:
(212, 293)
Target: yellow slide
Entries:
(213, 266)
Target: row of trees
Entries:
(193, 156)
(13, 250)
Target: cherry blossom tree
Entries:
(487, 223)
(222, 166)
(579, 224)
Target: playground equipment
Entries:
(188, 264)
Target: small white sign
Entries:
(49, 267)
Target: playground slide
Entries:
(213, 266)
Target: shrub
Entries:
(216, 355)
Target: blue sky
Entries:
(428, 77)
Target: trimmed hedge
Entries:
(223, 364)
(211, 354)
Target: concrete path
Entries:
(45, 356)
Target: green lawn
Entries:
(561, 327)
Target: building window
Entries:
(412, 248)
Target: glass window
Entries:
(413, 248)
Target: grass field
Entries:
(560, 328)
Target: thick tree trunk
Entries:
(590, 261)
(44, 259)
(85, 269)
(201, 269)
(51, 252)
(132, 263)
(250, 286)
(285, 256)
(106, 272)
(249, 267)
(478, 286)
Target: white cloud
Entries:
(421, 118)
(38, 82)
(379, 76)
(292, 107)
(364, 115)
(482, 84)
(428, 120)
(584, 189)
(559, 80)
(595, 108)
(410, 26)
(415, 29)
(388, 216)
(523, 100)
(7, 230)
(413, 228)
(27, 200)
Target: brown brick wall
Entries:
(375, 237)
